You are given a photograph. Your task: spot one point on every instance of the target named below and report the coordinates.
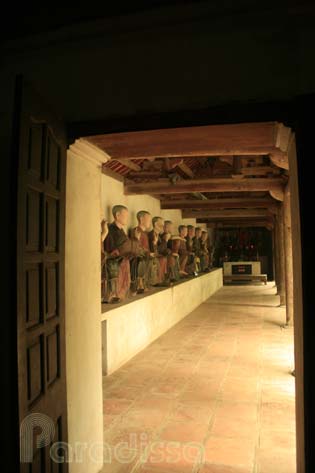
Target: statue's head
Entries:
(158, 224)
(144, 219)
(168, 226)
(182, 230)
(190, 231)
(197, 232)
(120, 214)
(204, 235)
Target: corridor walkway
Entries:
(212, 395)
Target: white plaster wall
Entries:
(83, 308)
(113, 194)
(175, 216)
(130, 328)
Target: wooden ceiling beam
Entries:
(223, 214)
(284, 135)
(280, 160)
(244, 221)
(283, 138)
(226, 159)
(108, 172)
(237, 165)
(207, 152)
(206, 185)
(210, 140)
(264, 224)
(277, 194)
(186, 170)
(144, 174)
(129, 164)
(233, 203)
(235, 222)
(259, 170)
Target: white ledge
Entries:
(129, 328)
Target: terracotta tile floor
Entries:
(212, 395)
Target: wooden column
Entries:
(275, 262)
(281, 256)
(288, 254)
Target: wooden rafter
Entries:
(259, 170)
(108, 172)
(236, 221)
(283, 138)
(129, 164)
(144, 174)
(217, 203)
(206, 185)
(214, 140)
(266, 224)
(277, 194)
(224, 214)
(280, 160)
(186, 169)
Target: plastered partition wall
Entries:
(130, 328)
(113, 194)
(83, 314)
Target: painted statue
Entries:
(182, 250)
(147, 265)
(204, 252)
(120, 248)
(197, 241)
(158, 247)
(175, 242)
(104, 233)
(192, 266)
(168, 232)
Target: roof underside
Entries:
(182, 167)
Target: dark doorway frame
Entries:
(293, 114)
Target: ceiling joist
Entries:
(263, 224)
(280, 160)
(213, 140)
(217, 203)
(206, 185)
(224, 214)
(277, 194)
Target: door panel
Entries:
(41, 308)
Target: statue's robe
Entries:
(157, 249)
(192, 265)
(173, 258)
(197, 250)
(103, 274)
(183, 254)
(120, 249)
(204, 255)
(165, 249)
(196, 245)
(147, 266)
(212, 251)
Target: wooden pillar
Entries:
(303, 315)
(275, 256)
(288, 254)
(281, 256)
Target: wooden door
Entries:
(41, 148)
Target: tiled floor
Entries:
(212, 395)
